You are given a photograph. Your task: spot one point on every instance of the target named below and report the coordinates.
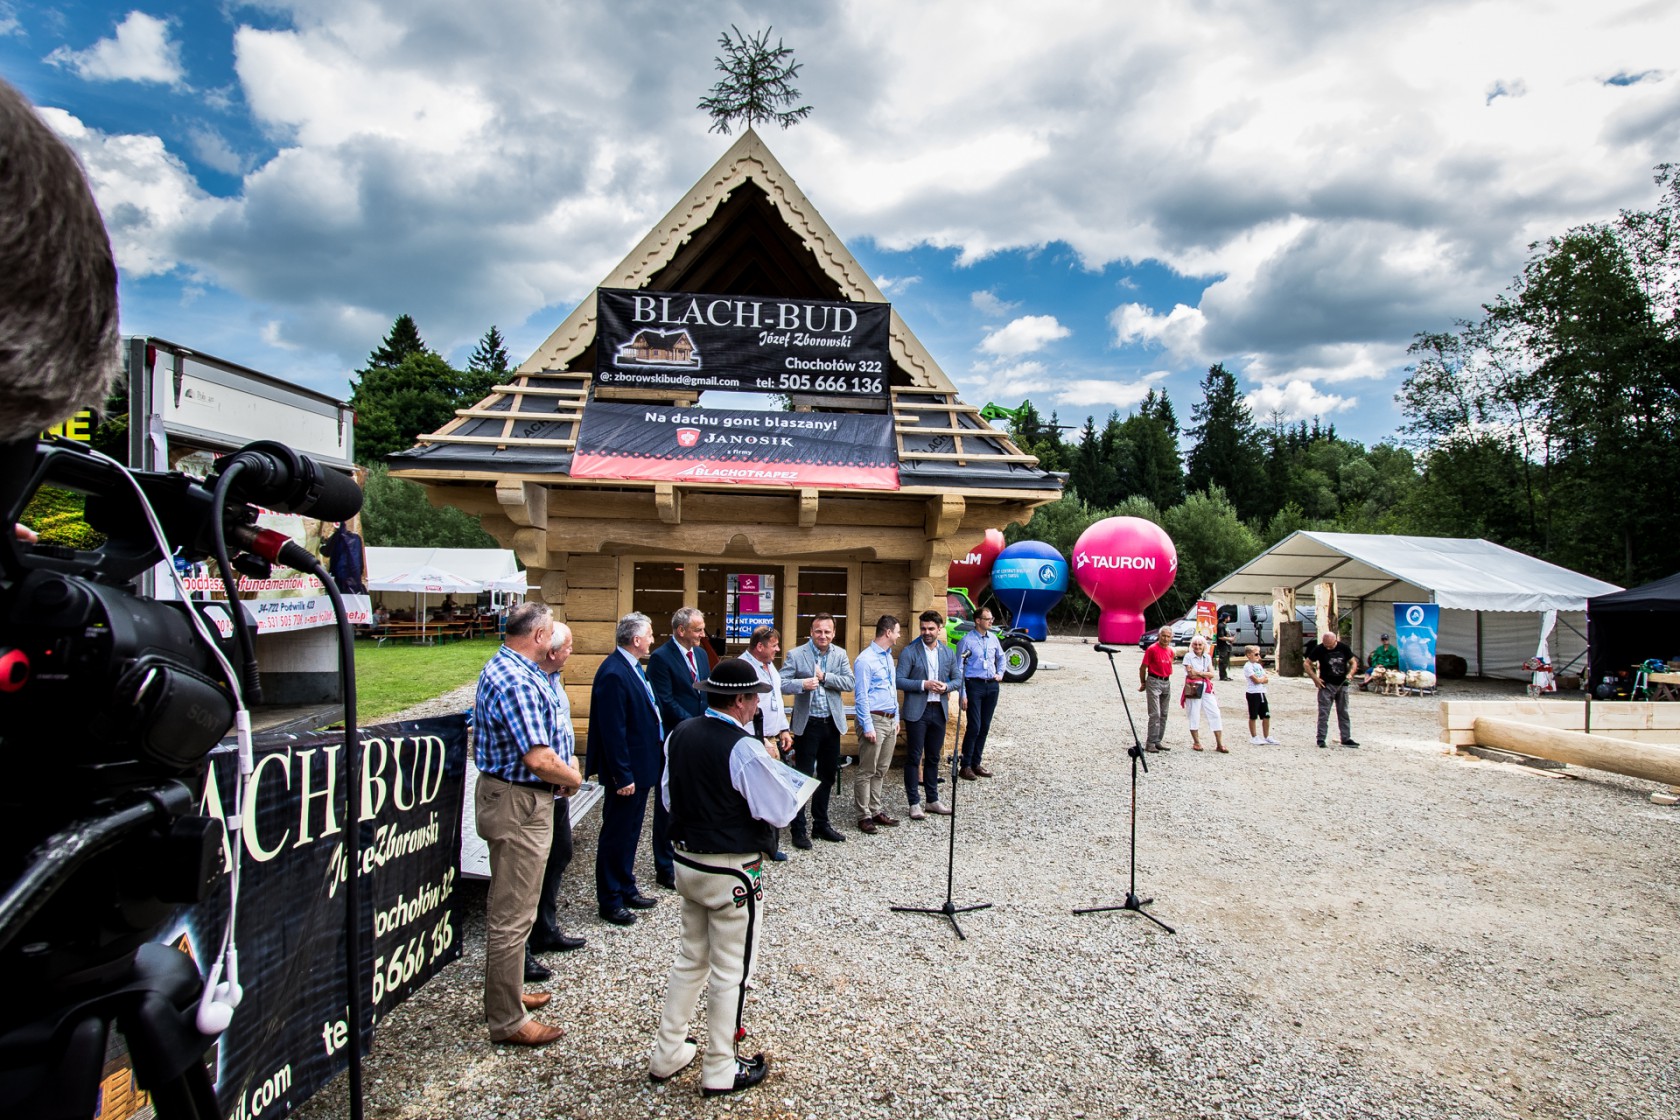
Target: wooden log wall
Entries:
(571, 541)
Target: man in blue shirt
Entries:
(514, 729)
(981, 657)
(875, 695)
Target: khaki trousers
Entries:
(874, 760)
(722, 897)
(518, 824)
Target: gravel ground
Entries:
(1382, 932)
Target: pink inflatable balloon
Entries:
(1124, 564)
(973, 573)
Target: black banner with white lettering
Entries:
(289, 1034)
(717, 445)
(755, 344)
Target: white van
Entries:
(1249, 625)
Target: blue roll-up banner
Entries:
(1416, 626)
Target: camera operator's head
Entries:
(58, 280)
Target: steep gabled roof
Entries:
(744, 229)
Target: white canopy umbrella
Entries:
(426, 580)
(509, 589)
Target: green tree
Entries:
(1227, 452)
(403, 340)
(757, 84)
(1607, 368)
(394, 404)
(490, 355)
(1211, 540)
(1290, 519)
(487, 368)
(395, 513)
(1146, 445)
(407, 390)
(1535, 425)
(1093, 473)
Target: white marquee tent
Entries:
(1493, 599)
(482, 566)
(474, 569)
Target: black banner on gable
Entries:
(755, 344)
(290, 1032)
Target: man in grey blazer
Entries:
(928, 677)
(817, 673)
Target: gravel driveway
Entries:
(1381, 932)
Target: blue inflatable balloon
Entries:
(1029, 578)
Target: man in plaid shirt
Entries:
(514, 729)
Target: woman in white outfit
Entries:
(1198, 665)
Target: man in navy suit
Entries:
(927, 675)
(626, 748)
(675, 670)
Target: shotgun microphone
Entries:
(275, 476)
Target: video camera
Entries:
(110, 703)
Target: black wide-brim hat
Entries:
(734, 676)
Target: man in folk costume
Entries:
(725, 799)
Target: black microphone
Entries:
(275, 476)
(1100, 648)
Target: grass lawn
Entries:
(398, 675)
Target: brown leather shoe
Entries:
(534, 1000)
(532, 1033)
(883, 819)
(982, 772)
(867, 825)
(966, 773)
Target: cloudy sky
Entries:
(1071, 202)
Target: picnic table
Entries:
(432, 631)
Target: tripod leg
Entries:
(948, 909)
(1132, 903)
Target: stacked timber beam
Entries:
(1638, 739)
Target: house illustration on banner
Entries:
(658, 348)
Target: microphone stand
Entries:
(1133, 902)
(948, 909)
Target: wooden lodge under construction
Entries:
(600, 548)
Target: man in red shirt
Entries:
(1155, 682)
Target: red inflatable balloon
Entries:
(1124, 564)
(973, 573)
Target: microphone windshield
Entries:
(279, 478)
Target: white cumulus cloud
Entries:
(1095, 392)
(148, 197)
(141, 50)
(990, 305)
(1294, 400)
(1179, 331)
(1023, 336)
